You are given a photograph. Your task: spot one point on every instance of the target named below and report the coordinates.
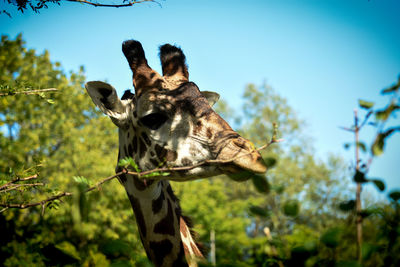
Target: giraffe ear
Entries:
(212, 97)
(106, 99)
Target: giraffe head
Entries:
(169, 121)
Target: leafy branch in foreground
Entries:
(156, 174)
(37, 5)
(26, 92)
(22, 89)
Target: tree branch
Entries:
(130, 3)
(13, 187)
(18, 179)
(205, 162)
(29, 92)
(124, 171)
(55, 197)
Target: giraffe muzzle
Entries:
(243, 156)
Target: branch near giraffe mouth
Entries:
(141, 175)
(164, 173)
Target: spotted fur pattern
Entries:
(168, 122)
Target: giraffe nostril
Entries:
(241, 144)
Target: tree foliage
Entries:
(58, 141)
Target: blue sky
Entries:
(320, 55)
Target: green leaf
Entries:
(291, 208)
(122, 263)
(270, 162)
(365, 104)
(241, 176)
(155, 174)
(366, 213)
(395, 195)
(69, 249)
(359, 177)
(368, 249)
(392, 88)
(278, 188)
(128, 161)
(81, 180)
(347, 205)
(50, 101)
(258, 211)
(378, 145)
(379, 184)
(346, 146)
(116, 248)
(261, 184)
(331, 237)
(362, 146)
(55, 204)
(384, 114)
(347, 264)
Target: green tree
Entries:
(253, 227)
(57, 140)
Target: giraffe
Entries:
(170, 122)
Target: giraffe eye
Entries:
(154, 121)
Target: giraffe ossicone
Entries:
(169, 122)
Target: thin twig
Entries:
(125, 171)
(29, 92)
(346, 129)
(131, 3)
(15, 186)
(359, 218)
(4, 209)
(205, 162)
(28, 205)
(18, 180)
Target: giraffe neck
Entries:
(163, 230)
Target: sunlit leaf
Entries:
(69, 249)
(81, 180)
(155, 174)
(384, 114)
(365, 104)
(291, 208)
(378, 145)
(261, 184)
(128, 161)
